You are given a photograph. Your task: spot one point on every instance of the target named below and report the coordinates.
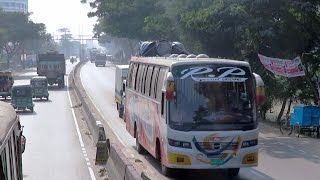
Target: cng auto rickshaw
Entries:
(22, 98)
(6, 82)
(39, 85)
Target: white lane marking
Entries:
(78, 130)
(102, 114)
(88, 164)
(84, 151)
(290, 147)
(315, 156)
(74, 116)
(302, 151)
(85, 155)
(91, 173)
(257, 174)
(87, 159)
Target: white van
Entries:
(121, 75)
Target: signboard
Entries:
(283, 67)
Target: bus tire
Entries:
(138, 145)
(120, 113)
(31, 109)
(165, 170)
(232, 172)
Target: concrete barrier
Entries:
(119, 167)
(94, 124)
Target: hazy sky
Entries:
(58, 14)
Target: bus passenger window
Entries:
(2, 173)
(136, 77)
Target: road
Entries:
(53, 150)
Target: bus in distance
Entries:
(194, 113)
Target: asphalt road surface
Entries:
(279, 157)
(53, 150)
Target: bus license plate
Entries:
(217, 162)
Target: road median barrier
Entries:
(118, 165)
(93, 122)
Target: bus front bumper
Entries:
(192, 159)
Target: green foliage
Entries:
(18, 32)
(235, 29)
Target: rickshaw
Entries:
(6, 82)
(22, 98)
(39, 85)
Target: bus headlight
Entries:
(180, 144)
(249, 143)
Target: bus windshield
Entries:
(212, 97)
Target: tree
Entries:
(16, 29)
(230, 29)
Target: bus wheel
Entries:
(165, 170)
(120, 113)
(233, 172)
(31, 109)
(138, 145)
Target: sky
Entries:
(56, 14)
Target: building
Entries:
(14, 5)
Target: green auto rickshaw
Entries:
(21, 97)
(39, 85)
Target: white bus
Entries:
(194, 113)
(12, 144)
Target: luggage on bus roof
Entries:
(148, 48)
(178, 48)
(161, 48)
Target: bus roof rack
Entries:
(174, 55)
(191, 56)
(182, 56)
(202, 56)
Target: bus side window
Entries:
(145, 79)
(154, 82)
(138, 83)
(148, 82)
(136, 77)
(130, 75)
(3, 167)
(142, 77)
(162, 74)
(134, 71)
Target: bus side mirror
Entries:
(260, 91)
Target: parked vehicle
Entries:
(12, 143)
(121, 75)
(6, 83)
(194, 113)
(39, 85)
(22, 97)
(100, 59)
(53, 66)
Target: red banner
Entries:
(283, 67)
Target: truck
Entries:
(100, 59)
(121, 75)
(93, 52)
(52, 65)
(6, 83)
